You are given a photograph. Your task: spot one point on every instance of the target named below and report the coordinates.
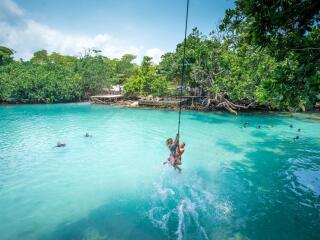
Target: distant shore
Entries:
(128, 103)
(134, 104)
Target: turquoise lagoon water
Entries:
(236, 183)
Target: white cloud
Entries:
(9, 9)
(32, 36)
(155, 53)
(26, 36)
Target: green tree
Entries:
(57, 58)
(146, 81)
(6, 55)
(25, 82)
(58, 78)
(95, 73)
(40, 57)
(286, 23)
(288, 31)
(124, 68)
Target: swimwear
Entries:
(173, 149)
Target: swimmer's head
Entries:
(169, 141)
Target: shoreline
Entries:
(129, 104)
(309, 115)
(313, 115)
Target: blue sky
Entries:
(141, 27)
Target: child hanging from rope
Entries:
(179, 152)
(176, 152)
(172, 145)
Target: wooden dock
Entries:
(160, 103)
(106, 99)
(146, 102)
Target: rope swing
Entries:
(183, 64)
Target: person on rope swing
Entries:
(179, 152)
(176, 151)
(172, 145)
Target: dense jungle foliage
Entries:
(265, 52)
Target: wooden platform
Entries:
(164, 103)
(105, 99)
(153, 102)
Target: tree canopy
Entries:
(265, 53)
(57, 78)
(6, 55)
(286, 23)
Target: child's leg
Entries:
(171, 160)
(176, 167)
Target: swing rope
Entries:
(183, 64)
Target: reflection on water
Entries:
(236, 183)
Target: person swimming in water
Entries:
(59, 144)
(88, 135)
